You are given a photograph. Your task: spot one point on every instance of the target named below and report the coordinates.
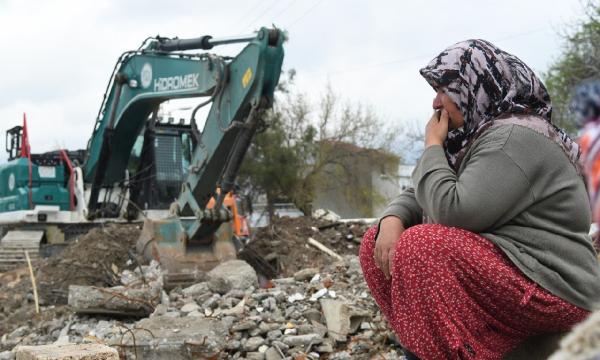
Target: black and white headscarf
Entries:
(487, 83)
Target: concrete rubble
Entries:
(244, 322)
(140, 291)
(319, 312)
(342, 319)
(67, 352)
(116, 300)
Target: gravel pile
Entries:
(316, 313)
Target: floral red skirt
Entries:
(454, 295)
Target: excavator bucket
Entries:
(186, 261)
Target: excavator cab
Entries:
(159, 164)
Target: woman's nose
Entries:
(437, 101)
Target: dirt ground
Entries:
(93, 259)
(284, 243)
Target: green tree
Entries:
(270, 167)
(579, 61)
(300, 148)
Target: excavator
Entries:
(42, 195)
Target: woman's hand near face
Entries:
(436, 130)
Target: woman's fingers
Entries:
(377, 255)
(385, 266)
(444, 117)
(390, 230)
(436, 130)
(390, 261)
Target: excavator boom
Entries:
(143, 79)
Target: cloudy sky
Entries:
(57, 55)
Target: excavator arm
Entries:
(239, 88)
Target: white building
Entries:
(405, 176)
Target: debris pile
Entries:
(95, 259)
(284, 243)
(319, 311)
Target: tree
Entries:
(270, 167)
(411, 140)
(579, 61)
(299, 149)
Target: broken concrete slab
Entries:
(325, 347)
(302, 340)
(243, 325)
(163, 337)
(273, 354)
(190, 307)
(253, 343)
(117, 300)
(233, 274)
(67, 352)
(342, 319)
(255, 356)
(236, 310)
(196, 290)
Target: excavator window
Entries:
(14, 137)
(168, 159)
(186, 150)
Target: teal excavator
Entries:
(86, 187)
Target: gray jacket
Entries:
(518, 189)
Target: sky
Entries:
(57, 56)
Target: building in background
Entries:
(405, 176)
(359, 183)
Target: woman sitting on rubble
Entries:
(491, 246)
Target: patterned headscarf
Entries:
(585, 105)
(487, 83)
